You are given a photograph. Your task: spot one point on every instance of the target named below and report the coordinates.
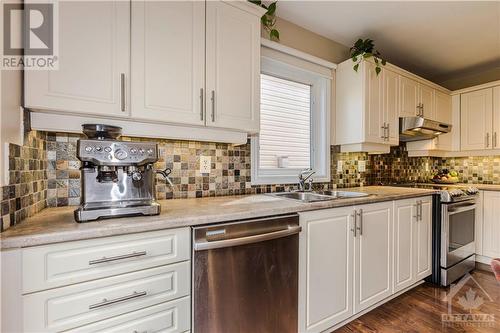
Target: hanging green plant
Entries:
(269, 19)
(364, 49)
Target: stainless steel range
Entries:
(118, 177)
(453, 231)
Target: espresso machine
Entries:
(118, 177)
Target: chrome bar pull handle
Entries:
(201, 104)
(106, 302)
(383, 135)
(213, 106)
(354, 216)
(121, 257)
(494, 139)
(487, 140)
(122, 92)
(360, 228)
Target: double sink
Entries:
(319, 196)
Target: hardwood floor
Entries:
(421, 309)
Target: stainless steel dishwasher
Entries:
(245, 276)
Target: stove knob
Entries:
(107, 149)
(88, 149)
(150, 151)
(133, 151)
(98, 148)
(472, 190)
(141, 151)
(120, 154)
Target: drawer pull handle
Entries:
(106, 302)
(124, 256)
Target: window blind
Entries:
(285, 123)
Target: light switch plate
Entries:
(361, 166)
(340, 166)
(205, 164)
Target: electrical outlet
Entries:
(340, 166)
(361, 166)
(205, 164)
(427, 167)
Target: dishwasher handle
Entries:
(205, 245)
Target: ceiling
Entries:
(441, 41)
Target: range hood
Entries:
(419, 128)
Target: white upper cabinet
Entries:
(367, 107)
(94, 40)
(427, 106)
(391, 106)
(374, 108)
(233, 67)
(168, 61)
(476, 111)
(443, 111)
(409, 97)
(496, 117)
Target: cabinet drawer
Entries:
(73, 306)
(57, 265)
(169, 317)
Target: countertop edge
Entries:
(17, 242)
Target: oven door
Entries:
(457, 232)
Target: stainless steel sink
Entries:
(319, 196)
(304, 196)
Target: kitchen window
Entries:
(294, 120)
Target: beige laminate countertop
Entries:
(56, 225)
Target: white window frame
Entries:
(320, 124)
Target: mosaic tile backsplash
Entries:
(45, 172)
(26, 193)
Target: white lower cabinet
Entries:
(169, 317)
(373, 254)
(326, 258)
(412, 241)
(131, 283)
(353, 258)
(491, 224)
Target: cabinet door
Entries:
(391, 105)
(491, 224)
(476, 113)
(496, 118)
(325, 265)
(405, 212)
(409, 97)
(423, 241)
(233, 67)
(374, 114)
(168, 61)
(94, 61)
(373, 255)
(427, 100)
(443, 110)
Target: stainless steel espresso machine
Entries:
(118, 177)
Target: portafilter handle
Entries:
(165, 173)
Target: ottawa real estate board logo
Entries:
(29, 36)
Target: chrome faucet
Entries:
(303, 176)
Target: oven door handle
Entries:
(205, 245)
(461, 208)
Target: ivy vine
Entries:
(364, 49)
(269, 19)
